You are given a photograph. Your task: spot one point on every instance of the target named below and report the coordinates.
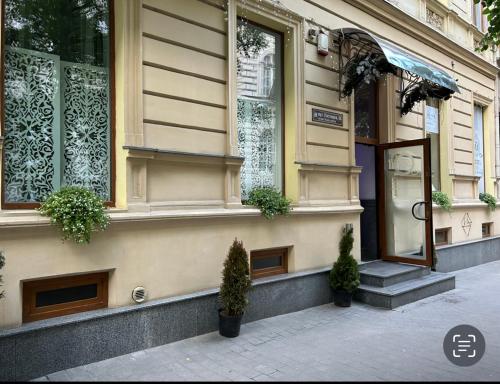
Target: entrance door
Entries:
(405, 207)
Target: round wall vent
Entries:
(139, 294)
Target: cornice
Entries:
(390, 14)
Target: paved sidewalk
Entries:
(330, 343)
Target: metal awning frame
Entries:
(356, 43)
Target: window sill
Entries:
(31, 218)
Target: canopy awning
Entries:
(401, 58)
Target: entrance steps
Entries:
(390, 285)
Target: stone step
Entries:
(383, 274)
(405, 292)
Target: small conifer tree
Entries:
(235, 280)
(345, 273)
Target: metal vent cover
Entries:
(139, 294)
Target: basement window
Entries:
(46, 298)
(442, 236)
(268, 262)
(487, 229)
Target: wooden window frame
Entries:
(31, 288)
(439, 139)
(282, 80)
(264, 253)
(112, 93)
(446, 231)
(488, 225)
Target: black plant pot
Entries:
(342, 298)
(229, 326)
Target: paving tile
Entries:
(329, 343)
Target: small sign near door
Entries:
(327, 117)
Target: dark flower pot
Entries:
(342, 298)
(229, 326)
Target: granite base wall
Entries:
(465, 255)
(43, 347)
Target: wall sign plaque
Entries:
(327, 117)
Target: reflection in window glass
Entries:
(259, 107)
(57, 103)
(479, 146)
(365, 111)
(432, 131)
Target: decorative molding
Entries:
(32, 219)
(306, 166)
(481, 99)
(466, 223)
(435, 19)
(178, 156)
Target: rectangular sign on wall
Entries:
(431, 119)
(327, 117)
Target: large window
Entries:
(479, 146)
(432, 132)
(260, 92)
(57, 99)
(477, 15)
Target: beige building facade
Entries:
(177, 158)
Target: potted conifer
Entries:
(344, 276)
(234, 289)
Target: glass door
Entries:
(405, 216)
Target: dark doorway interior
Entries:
(365, 157)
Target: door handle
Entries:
(418, 203)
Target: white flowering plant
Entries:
(77, 212)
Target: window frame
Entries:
(489, 226)
(271, 271)
(112, 118)
(482, 178)
(31, 288)
(427, 134)
(447, 232)
(475, 8)
(282, 81)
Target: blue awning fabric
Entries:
(400, 58)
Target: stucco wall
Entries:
(168, 257)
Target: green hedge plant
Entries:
(442, 199)
(235, 280)
(345, 272)
(77, 212)
(488, 199)
(270, 201)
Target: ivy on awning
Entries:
(359, 49)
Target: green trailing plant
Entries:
(442, 199)
(2, 263)
(488, 199)
(345, 273)
(491, 39)
(366, 68)
(270, 201)
(235, 280)
(422, 91)
(77, 212)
